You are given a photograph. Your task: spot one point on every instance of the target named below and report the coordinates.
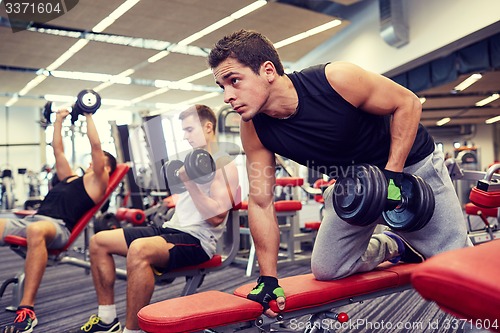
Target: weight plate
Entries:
(379, 197)
(87, 101)
(200, 166)
(373, 191)
(371, 195)
(74, 115)
(170, 170)
(107, 221)
(429, 204)
(47, 111)
(407, 214)
(352, 196)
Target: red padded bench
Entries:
(483, 204)
(464, 283)
(305, 295)
(472, 209)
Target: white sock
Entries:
(126, 330)
(107, 313)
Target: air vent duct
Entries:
(454, 131)
(393, 22)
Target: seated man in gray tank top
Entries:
(51, 226)
(188, 238)
(329, 117)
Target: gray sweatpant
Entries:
(17, 227)
(342, 249)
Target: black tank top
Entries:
(327, 132)
(67, 201)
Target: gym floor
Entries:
(67, 298)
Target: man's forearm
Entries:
(266, 238)
(57, 142)
(404, 129)
(92, 134)
(210, 209)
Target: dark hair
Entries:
(249, 47)
(203, 112)
(111, 162)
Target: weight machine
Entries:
(489, 182)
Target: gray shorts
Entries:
(17, 227)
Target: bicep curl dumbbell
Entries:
(87, 101)
(360, 198)
(199, 166)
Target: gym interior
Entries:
(135, 65)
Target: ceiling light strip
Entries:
(492, 120)
(443, 121)
(181, 45)
(468, 82)
(308, 33)
(122, 9)
(201, 98)
(158, 56)
(77, 47)
(488, 100)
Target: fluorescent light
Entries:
(59, 98)
(197, 76)
(422, 100)
(120, 79)
(68, 54)
(149, 95)
(468, 82)
(492, 120)
(443, 121)
(158, 56)
(127, 72)
(248, 9)
(211, 28)
(103, 86)
(163, 105)
(488, 100)
(225, 21)
(32, 84)
(206, 31)
(125, 7)
(201, 98)
(103, 24)
(11, 101)
(115, 102)
(97, 77)
(74, 49)
(308, 33)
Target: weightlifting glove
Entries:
(267, 289)
(394, 181)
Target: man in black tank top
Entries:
(329, 117)
(51, 225)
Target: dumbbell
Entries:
(107, 221)
(199, 165)
(87, 101)
(133, 215)
(360, 198)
